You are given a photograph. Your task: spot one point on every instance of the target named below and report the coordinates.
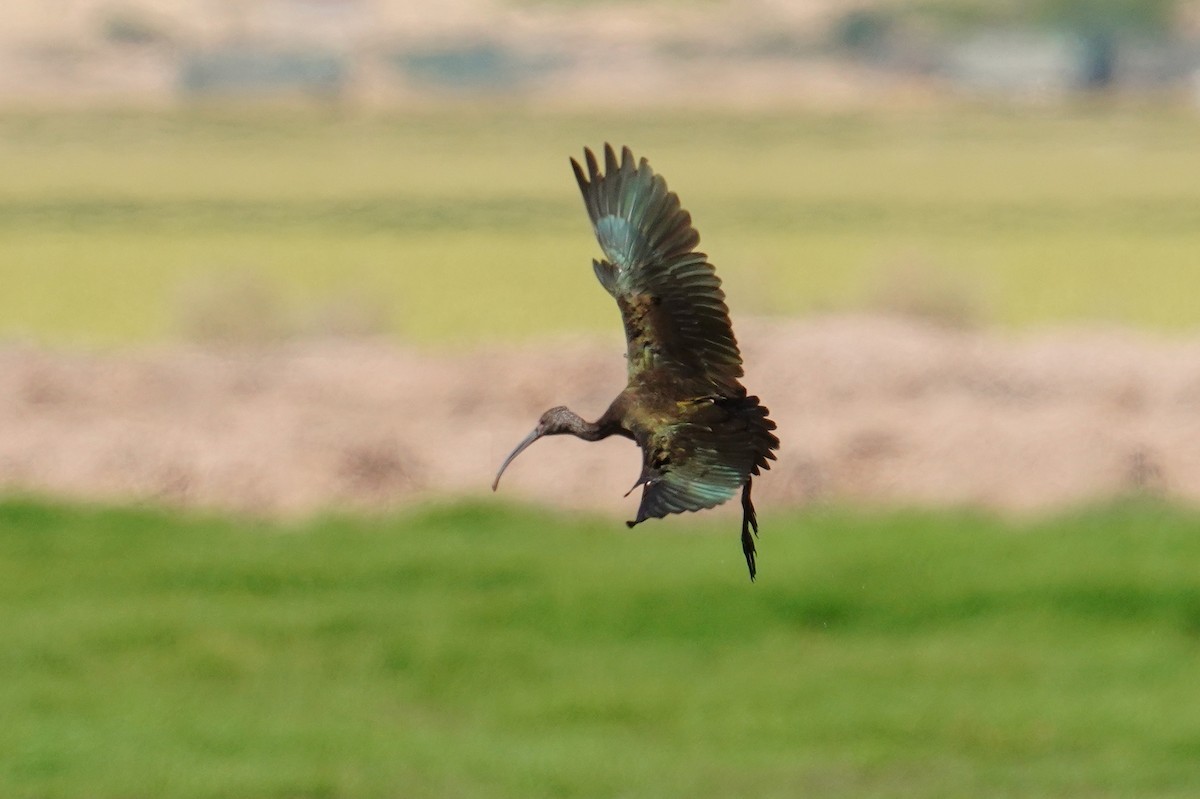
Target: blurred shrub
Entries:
(1113, 16)
(1109, 16)
(231, 308)
(915, 289)
(862, 30)
(253, 70)
(236, 308)
(472, 65)
(133, 27)
(348, 314)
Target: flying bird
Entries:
(702, 437)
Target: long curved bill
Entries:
(529, 439)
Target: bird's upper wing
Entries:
(669, 295)
(704, 459)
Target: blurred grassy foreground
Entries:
(479, 652)
(468, 226)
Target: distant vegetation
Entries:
(1132, 16)
(467, 226)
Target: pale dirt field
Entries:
(871, 411)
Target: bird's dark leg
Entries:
(749, 522)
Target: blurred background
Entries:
(282, 281)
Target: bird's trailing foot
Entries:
(646, 478)
(749, 522)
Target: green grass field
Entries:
(485, 651)
(467, 226)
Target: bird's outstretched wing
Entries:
(704, 460)
(669, 295)
(680, 341)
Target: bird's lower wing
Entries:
(705, 461)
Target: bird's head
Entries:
(553, 422)
(556, 420)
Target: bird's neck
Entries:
(588, 431)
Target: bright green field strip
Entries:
(468, 226)
(489, 652)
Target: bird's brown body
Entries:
(702, 436)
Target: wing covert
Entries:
(670, 297)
